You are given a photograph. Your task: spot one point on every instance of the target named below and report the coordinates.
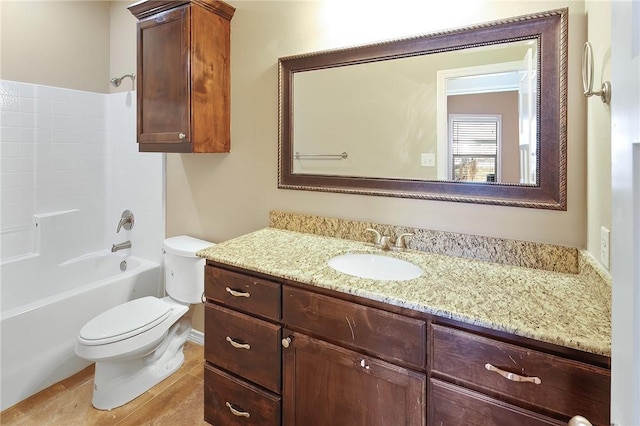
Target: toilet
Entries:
(139, 343)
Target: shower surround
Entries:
(69, 159)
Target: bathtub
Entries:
(44, 306)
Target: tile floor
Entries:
(178, 400)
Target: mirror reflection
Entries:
(465, 115)
(475, 114)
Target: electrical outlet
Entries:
(605, 241)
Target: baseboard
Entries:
(196, 337)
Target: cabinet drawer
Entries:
(243, 345)
(243, 292)
(388, 335)
(566, 387)
(227, 401)
(453, 405)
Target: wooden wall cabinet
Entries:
(318, 357)
(183, 75)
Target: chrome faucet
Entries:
(126, 221)
(384, 242)
(121, 246)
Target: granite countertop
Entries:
(564, 309)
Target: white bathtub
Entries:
(44, 307)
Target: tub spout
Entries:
(121, 246)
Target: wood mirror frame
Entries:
(548, 28)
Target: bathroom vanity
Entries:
(289, 340)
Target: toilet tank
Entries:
(183, 270)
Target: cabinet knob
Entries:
(236, 412)
(181, 135)
(579, 421)
(286, 342)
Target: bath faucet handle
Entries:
(126, 221)
(377, 238)
(381, 241)
(401, 244)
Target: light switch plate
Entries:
(427, 160)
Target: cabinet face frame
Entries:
(152, 76)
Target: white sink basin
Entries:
(375, 267)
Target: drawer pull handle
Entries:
(181, 135)
(511, 376)
(236, 344)
(286, 342)
(237, 293)
(236, 412)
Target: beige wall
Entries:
(217, 197)
(56, 43)
(122, 46)
(599, 127)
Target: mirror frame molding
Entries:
(549, 28)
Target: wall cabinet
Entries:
(183, 75)
(289, 353)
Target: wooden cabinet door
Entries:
(324, 384)
(164, 82)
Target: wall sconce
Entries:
(587, 76)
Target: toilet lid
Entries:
(125, 320)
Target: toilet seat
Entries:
(124, 321)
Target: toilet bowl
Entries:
(139, 343)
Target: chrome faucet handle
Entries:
(385, 243)
(400, 242)
(380, 241)
(126, 221)
(377, 238)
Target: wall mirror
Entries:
(476, 114)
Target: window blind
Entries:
(474, 148)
